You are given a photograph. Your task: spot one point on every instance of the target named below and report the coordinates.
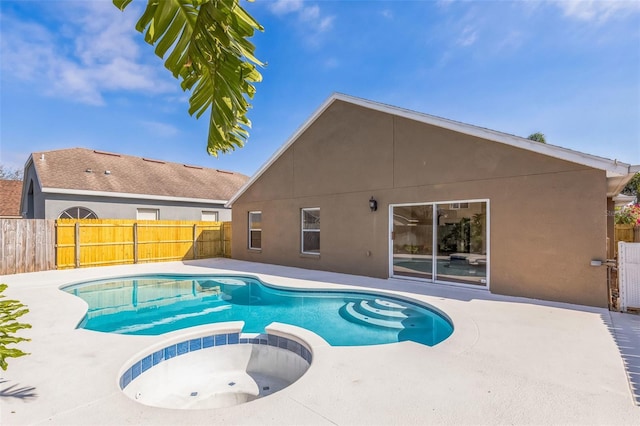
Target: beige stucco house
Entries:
(370, 189)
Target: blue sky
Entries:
(76, 73)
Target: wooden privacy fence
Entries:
(626, 233)
(27, 245)
(98, 242)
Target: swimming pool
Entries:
(157, 304)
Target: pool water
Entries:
(153, 305)
(443, 267)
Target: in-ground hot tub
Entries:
(215, 370)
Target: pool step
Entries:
(389, 305)
(384, 313)
(352, 315)
(376, 311)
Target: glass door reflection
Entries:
(461, 252)
(413, 241)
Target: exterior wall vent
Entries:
(153, 161)
(106, 153)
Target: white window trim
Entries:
(148, 210)
(302, 231)
(254, 229)
(214, 212)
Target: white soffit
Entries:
(613, 168)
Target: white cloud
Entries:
(386, 13)
(93, 52)
(510, 41)
(444, 3)
(325, 23)
(331, 63)
(468, 37)
(282, 7)
(160, 129)
(597, 11)
(309, 14)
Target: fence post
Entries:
(195, 241)
(55, 244)
(77, 243)
(224, 242)
(135, 242)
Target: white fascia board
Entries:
(612, 167)
(129, 195)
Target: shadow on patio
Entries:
(625, 329)
(14, 391)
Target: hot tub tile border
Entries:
(191, 345)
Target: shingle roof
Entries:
(81, 169)
(10, 194)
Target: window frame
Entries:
(147, 209)
(459, 205)
(435, 276)
(215, 213)
(250, 230)
(303, 230)
(78, 208)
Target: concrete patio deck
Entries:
(509, 361)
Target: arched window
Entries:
(77, 213)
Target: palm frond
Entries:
(206, 46)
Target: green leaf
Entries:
(206, 46)
(10, 310)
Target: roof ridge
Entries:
(613, 167)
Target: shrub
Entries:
(10, 311)
(628, 215)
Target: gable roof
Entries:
(10, 194)
(84, 171)
(618, 173)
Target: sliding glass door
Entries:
(445, 242)
(413, 241)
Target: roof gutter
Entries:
(130, 195)
(617, 182)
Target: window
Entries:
(458, 206)
(255, 230)
(437, 242)
(77, 213)
(209, 216)
(148, 214)
(311, 231)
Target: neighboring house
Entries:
(83, 183)
(10, 192)
(369, 189)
